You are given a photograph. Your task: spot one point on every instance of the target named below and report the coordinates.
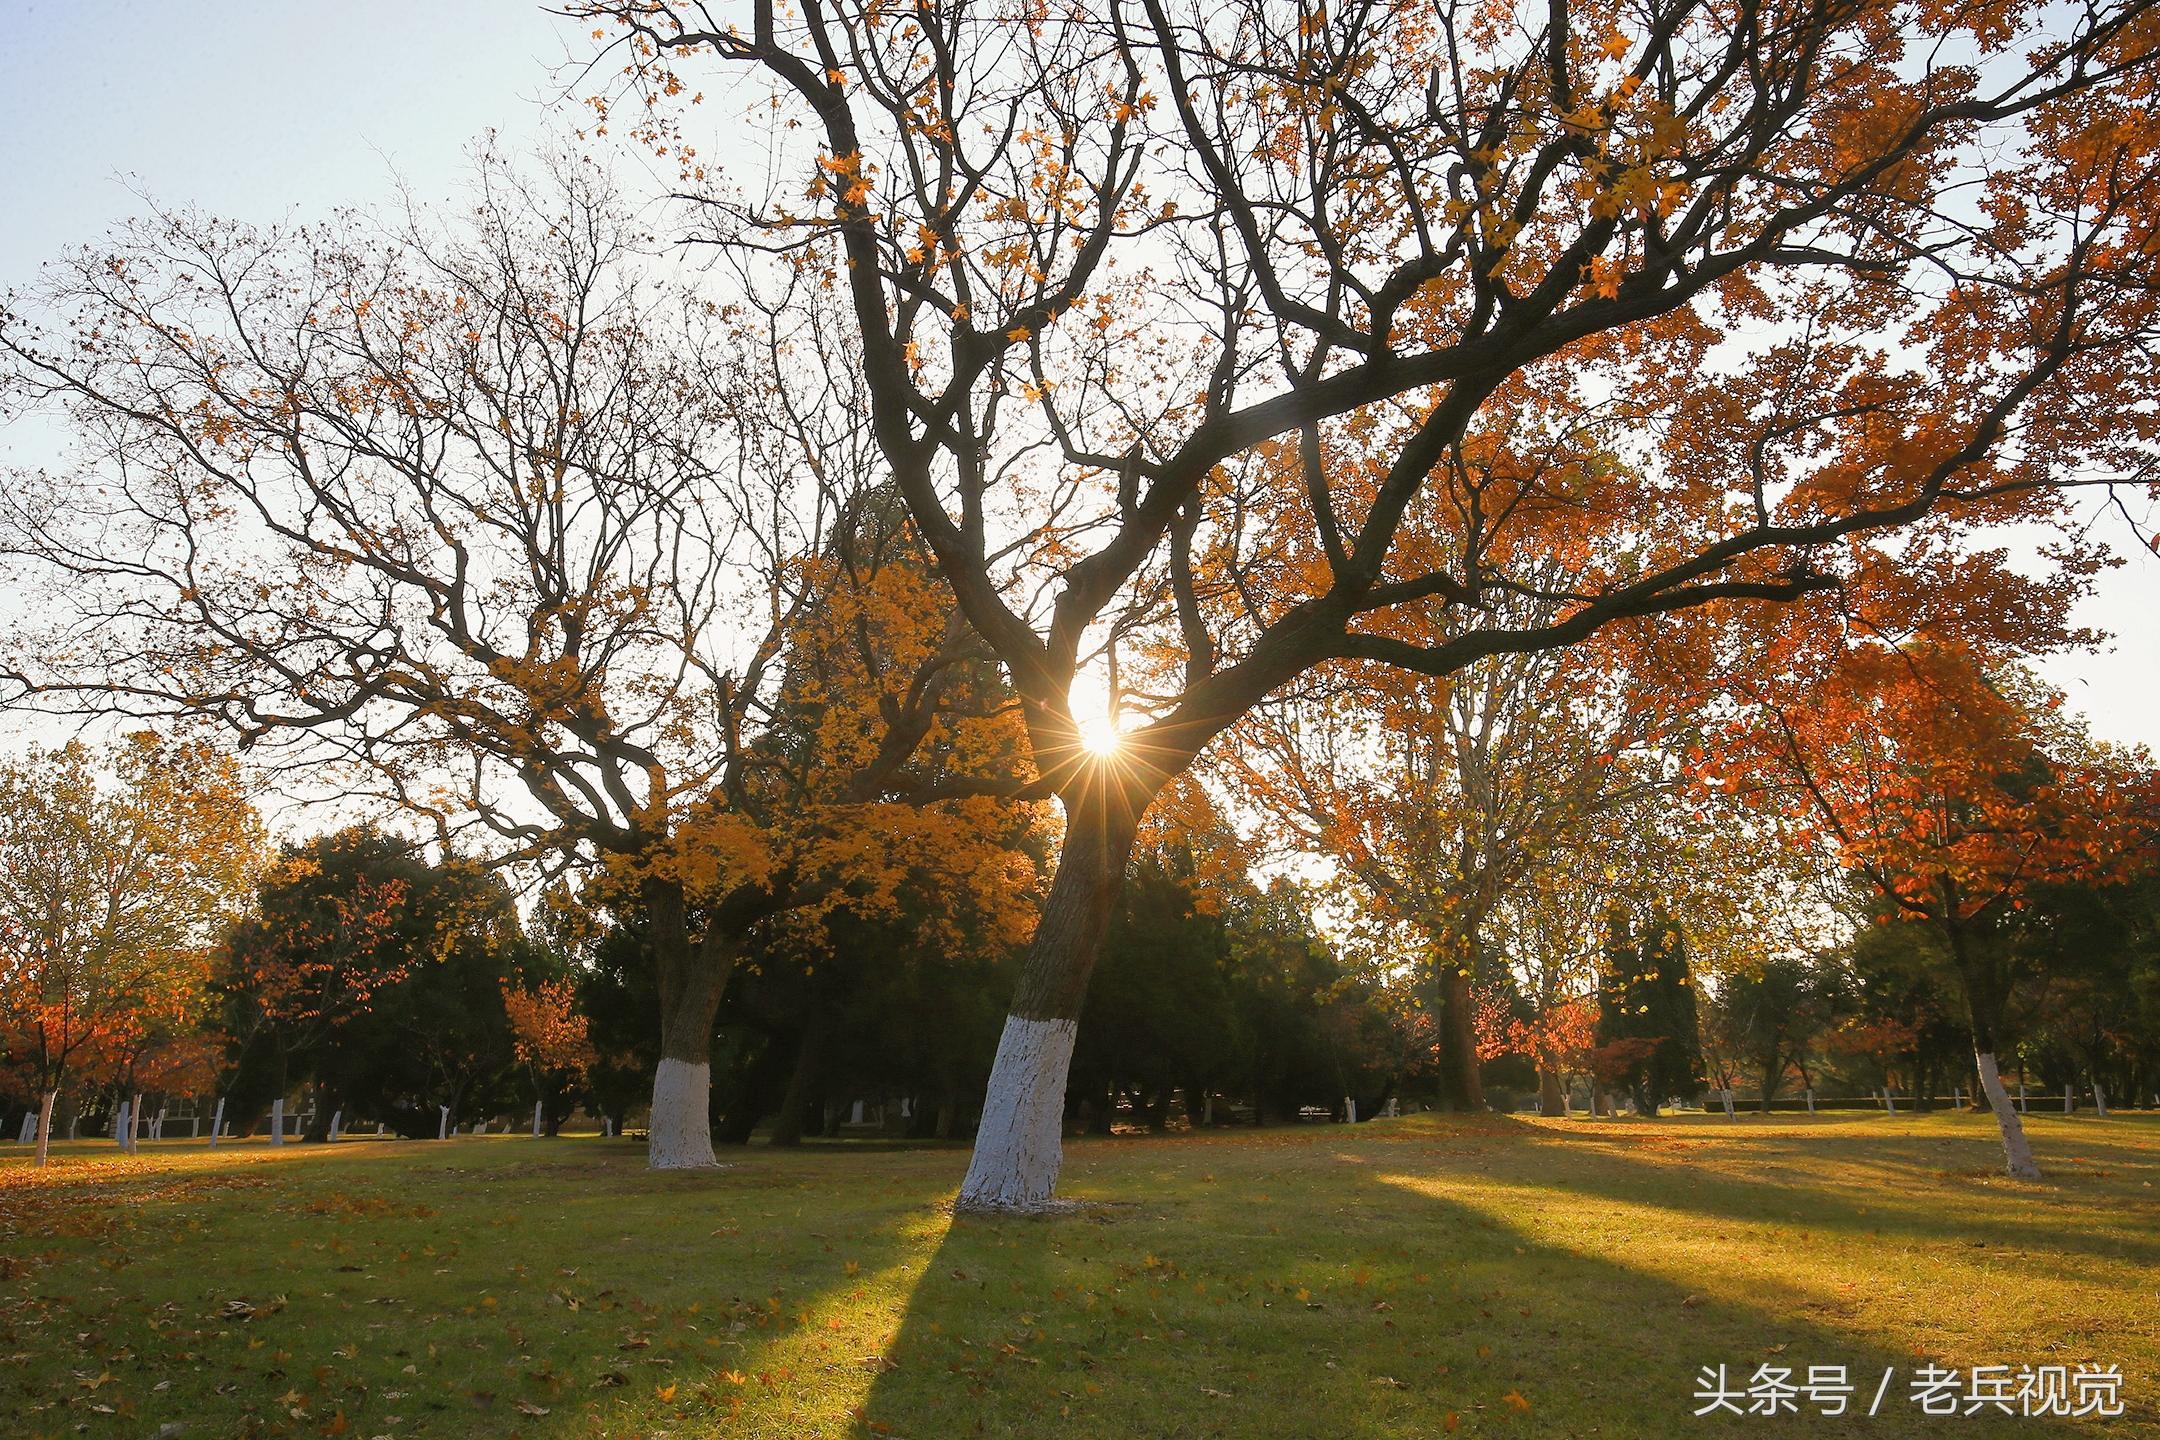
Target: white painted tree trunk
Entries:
(1811, 1100)
(217, 1122)
(2017, 1154)
(607, 1127)
(2099, 1098)
(1349, 1106)
(122, 1124)
(337, 1121)
(29, 1127)
(157, 1124)
(1957, 1098)
(2021, 1095)
(44, 1132)
(681, 1116)
(1726, 1096)
(1019, 1146)
(1889, 1101)
(2069, 1102)
(135, 1124)
(277, 1121)
(536, 1119)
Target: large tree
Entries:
(1952, 786)
(1177, 320)
(475, 517)
(1441, 800)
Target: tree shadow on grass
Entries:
(1853, 1182)
(1363, 1282)
(476, 1289)
(1294, 1291)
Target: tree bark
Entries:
(1460, 1087)
(1018, 1145)
(691, 979)
(2017, 1154)
(809, 1055)
(1646, 1100)
(1983, 1009)
(1551, 1103)
(44, 1130)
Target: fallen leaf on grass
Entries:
(526, 1407)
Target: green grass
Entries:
(1396, 1279)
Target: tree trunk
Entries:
(809, 1056)
(691, 979)
(1772, 1073)
(44, 1129)
(1983, 1008)
(318, 1130)
(1646, 1101)
(2017, 1154)
(1460, 1087)
(1018, 1145)
(1551, 1103)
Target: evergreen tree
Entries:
(1667, 1015)
(1646, 997)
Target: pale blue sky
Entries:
(255, 109)
(250, 107)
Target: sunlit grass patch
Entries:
(1404, 1278)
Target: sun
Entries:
(1099, 736)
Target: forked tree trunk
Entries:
(2017, 1154)
(1018, 1145)
(44, 1128)
(691, 979)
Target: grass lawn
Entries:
(1413, 1277)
